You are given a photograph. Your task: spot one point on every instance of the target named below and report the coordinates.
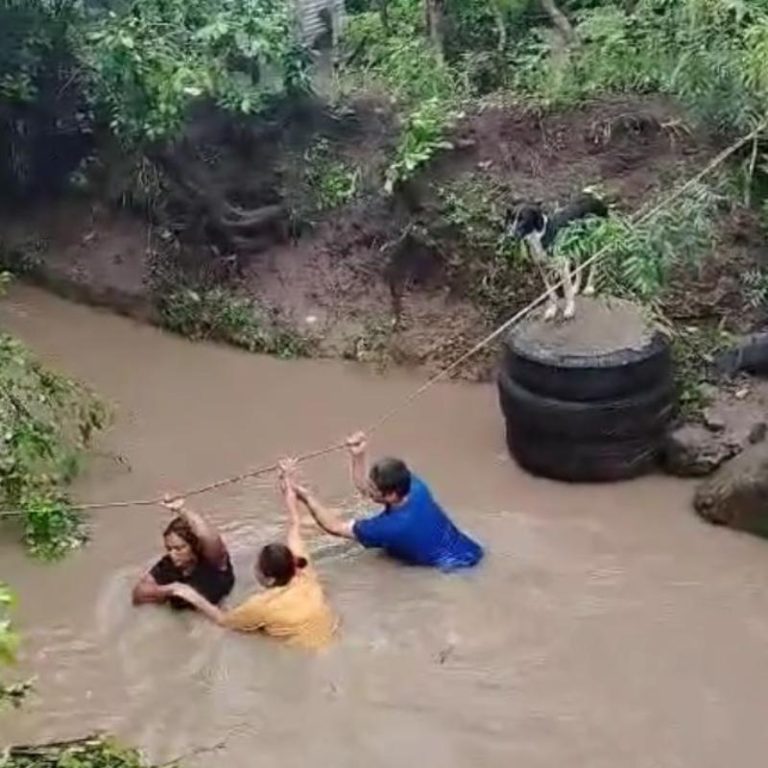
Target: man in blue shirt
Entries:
(412, 527)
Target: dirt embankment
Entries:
(348, 276)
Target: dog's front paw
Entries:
(569, 312)
(589, 290)
(550, 313)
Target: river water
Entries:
(608, 627)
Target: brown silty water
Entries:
(607, 626)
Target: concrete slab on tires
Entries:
(609, 350)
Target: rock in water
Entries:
(730, 426)
(737, 494)
(693, 451)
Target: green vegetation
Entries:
(710, 54)
(637, 261)
(333, 182)
(694, 349)
(10, 694)
(639, 258)
(495, 268)
(148, 61)
(755, 287)
(640, 262)
(46, 421)
(422, 138)
(135, 70)
(220, 315)
(396, 58)
(140, 65)
(94, 752)
(9, 640)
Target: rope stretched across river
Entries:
(640, 217)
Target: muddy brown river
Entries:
(607, 628)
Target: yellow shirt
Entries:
(297, 612)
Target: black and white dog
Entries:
(539, 232)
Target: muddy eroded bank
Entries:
(347, 278)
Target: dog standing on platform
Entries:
(539, 231)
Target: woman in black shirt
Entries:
(196, 555)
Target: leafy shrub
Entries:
(711, 54)
(495, 268)
(693, 351)
(44, 117)
(398, 59)
(638, 258)
(474, 208)
(421, 139)
(333, 182)
(95, 752)
(487, 25)
(46, 421)
(153, 58)
(9, 640)
(637, 262)
(14, 693)
(34, 45)
(426, 90)
(220, 315)
(141, 64)
(755, 287)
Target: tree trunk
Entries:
(384, 14)
(501, 24)
(559, 21)
(435, 21)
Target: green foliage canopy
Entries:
(141, 64)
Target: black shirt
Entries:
(212, 582)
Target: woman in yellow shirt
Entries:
(293, 606)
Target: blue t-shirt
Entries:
(419, 532)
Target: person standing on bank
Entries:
(412, 527)
(196, 556)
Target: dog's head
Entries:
(523, 221)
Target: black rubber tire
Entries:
(750, 355)
(576, 461)
(638, 415)
(586, 378)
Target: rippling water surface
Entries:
(608, 627)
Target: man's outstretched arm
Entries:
(329, 520)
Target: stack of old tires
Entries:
(586, 416)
